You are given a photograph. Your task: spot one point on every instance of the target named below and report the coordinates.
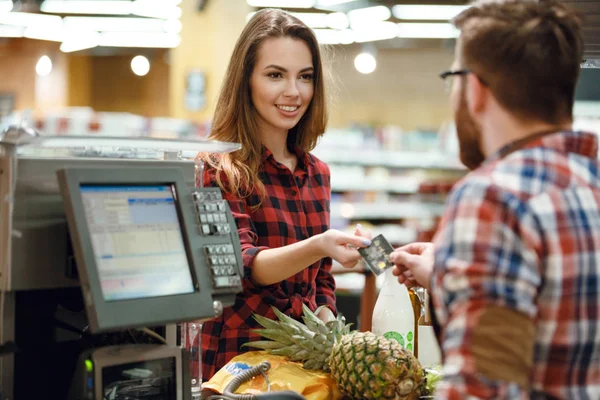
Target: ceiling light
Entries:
(137, 39)
(282, 3)
(427, 12)
(365, 63)
(337, 20)
(30, 19)
(365, 16)
(375, 31)
(6, 6)
(172, 26)
(329, 3)
(43, 66)
(43, 33)
(426, 30)
(333, 36)
(312, 20)
(80, 41)
(123, 24)
(156, 9)
(11, 31)
(106, 7)
(140, 65)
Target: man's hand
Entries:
(414, 264)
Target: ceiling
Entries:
(589, 9)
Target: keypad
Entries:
(211, 211)
(222, 263)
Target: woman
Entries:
(273, 103)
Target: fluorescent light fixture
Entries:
(426, 30)
(337, 20)
(427, 12)
(156, 9)
(6, 6)
(137, 39)
(123, 24)
(282, 3)
(11, 31)
(312, 20)
(105, 7)
(51, 22)
(172, 26)
(333, 36)
(366, 16)
(329, 3)
(375, 31)
(80, 41)
(42, 33)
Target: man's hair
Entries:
(528, 52)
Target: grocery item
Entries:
(282, 375)
(393, 315)
(363, 364)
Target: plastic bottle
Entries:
(393, 315)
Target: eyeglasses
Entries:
(447, 74)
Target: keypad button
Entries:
(203, 218)
(210, 218)
(229, 248)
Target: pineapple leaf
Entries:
(287, 320)
(266, 322)
(264, 345)
(321, 328)
(284, 351)
(276, 335)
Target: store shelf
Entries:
(390, 211)
(390, 159)
(363, 185)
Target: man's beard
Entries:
(469, 135)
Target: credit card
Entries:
(377, 255)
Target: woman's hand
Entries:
(326, 315)
(342, 246)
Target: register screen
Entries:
(137, 241)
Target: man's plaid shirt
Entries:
(296, 207)
(521, 234)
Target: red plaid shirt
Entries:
(296, 207)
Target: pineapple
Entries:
(363, 364)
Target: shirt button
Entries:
(294, 192)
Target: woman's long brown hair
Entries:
(235, 115)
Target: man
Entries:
(514, 269)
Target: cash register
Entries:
(105, 245)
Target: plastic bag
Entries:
(283, 375)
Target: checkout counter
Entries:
(105, 245)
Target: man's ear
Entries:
(477, 94)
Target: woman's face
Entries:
(282, 84)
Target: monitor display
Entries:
(148, 380)
(137, 241)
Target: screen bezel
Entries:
(150, 311)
